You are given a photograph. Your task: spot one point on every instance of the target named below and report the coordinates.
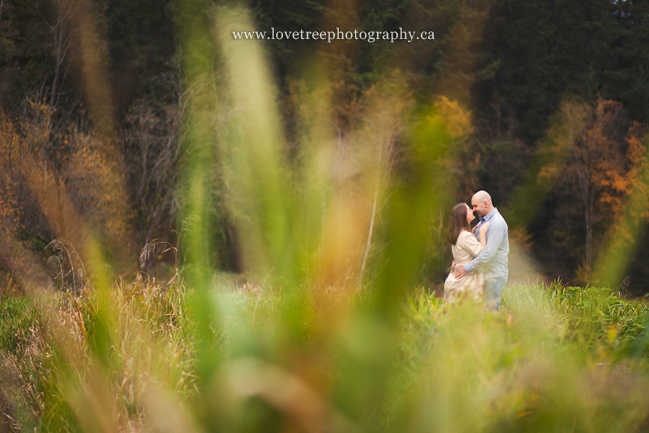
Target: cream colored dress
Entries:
(471, 286)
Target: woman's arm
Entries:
(483, 234)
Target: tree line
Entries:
(549, 99)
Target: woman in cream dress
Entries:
(465, 247)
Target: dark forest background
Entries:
(557, 90)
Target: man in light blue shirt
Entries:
(493, 259)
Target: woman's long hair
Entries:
(457, 222)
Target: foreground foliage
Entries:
(556, 358)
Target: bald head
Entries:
(482, 196)
(481, 202)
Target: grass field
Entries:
(247, 357)
(332, 212)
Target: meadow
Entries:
(248, 357)
(299, 223)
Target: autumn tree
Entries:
(388, 105)
(152, 143)
(589, 160)
(10, 162)
(544, 48)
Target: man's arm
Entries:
(496, 232)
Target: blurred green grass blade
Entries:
(199, 57)
(428, 189)
(256, 169)
(368, 345)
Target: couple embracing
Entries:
(479, 270)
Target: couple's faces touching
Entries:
(480, 207)
(469, 214)
(481, 203)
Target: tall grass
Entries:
(545, 363)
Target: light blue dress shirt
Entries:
(493, 259)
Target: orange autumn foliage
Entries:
(459, 122)
(56, 183)
(10, 162)
(593, 153)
